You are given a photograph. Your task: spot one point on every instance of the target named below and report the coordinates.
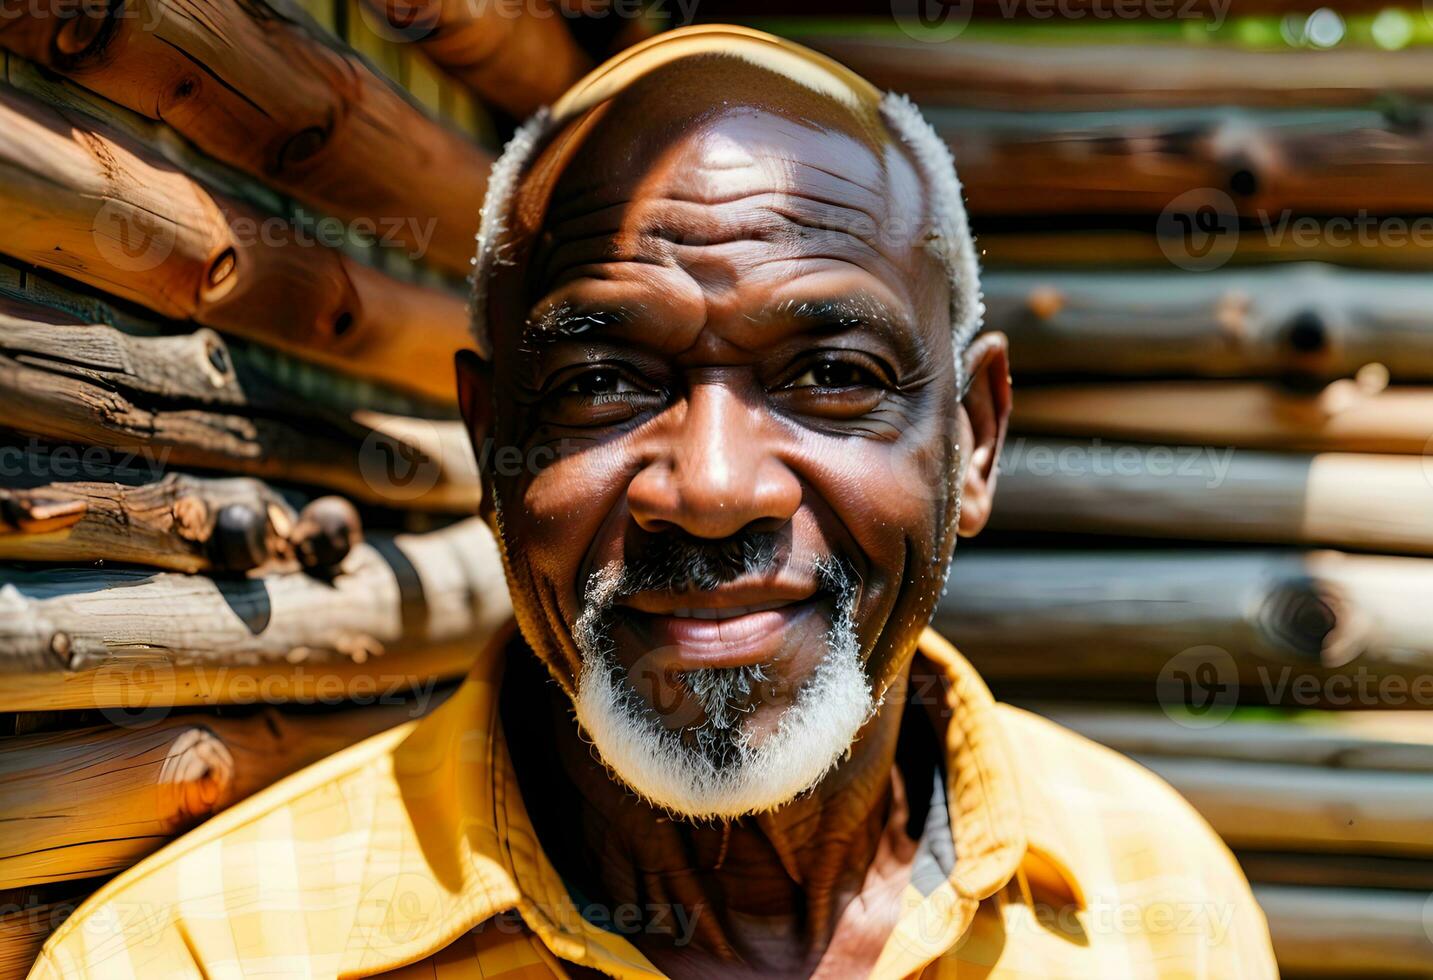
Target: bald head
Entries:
(747, 93)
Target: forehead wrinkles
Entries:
(743, 178)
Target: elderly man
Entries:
(726, 295)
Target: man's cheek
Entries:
(565, 502)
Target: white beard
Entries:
(813, 734)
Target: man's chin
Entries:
(778, 753)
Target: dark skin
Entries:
(723, 334)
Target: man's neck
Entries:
(763, 893)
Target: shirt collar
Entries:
(480, 855)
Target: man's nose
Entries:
(717, 472)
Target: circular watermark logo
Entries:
(1199, 230)
(1199, 687)
(398, 468)
(134, 695)
(933, 20)
(130, 239)
(401, 21)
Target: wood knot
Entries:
(326, 531)
(196, 778)
(239, 540)
(301, 147)
(1045, 301)
(1310, 621)
(61, 647)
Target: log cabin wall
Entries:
(235, 496)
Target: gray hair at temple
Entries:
(947, 233)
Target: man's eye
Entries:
(835, 374)
(599, 381)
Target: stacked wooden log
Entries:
(1213, 533)
(235, 497)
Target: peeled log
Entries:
(93, 802)
(403, 610)
(1102, 77)
(1337, 870)
(1308, 320)
(1342, 161)
(258, 86)
(519, 57)
(1301, 808)
(171, 522)
(1306, 629)
(185, 400)
(1348, 932)
(1384, 741)
(1343, 417)
(1343, 500)
(24, 927)
(84, 201)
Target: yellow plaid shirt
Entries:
(410, 855)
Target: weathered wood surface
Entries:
(172, 522)
(1308, 320)
(1305, 629)
(1346, 416)
(401, 610)
(267, 376)
(519, 57)
(92, 802)
(1382, 741)
(1337, 870)
(1300, 808)
(1212, 12)
(27, 917)
(1342, 161)
(1347, 932)
(257, 86)
(1342, 500)
(1025, 77)
(1394, 243)
(184, 400)
(86, 202)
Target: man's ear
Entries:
(987, 407)
(475, 401)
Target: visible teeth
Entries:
(730, 612)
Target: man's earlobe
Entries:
(987, 411)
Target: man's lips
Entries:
(714, 629)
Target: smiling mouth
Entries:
(700, 637)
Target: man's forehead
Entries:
(734, 150)
(711, 121)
